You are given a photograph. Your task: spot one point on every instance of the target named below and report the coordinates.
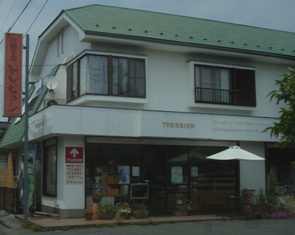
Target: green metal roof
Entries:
(146, 25)
(15, 131)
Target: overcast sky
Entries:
(38, 14)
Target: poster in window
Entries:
(176, 175)
(124, 174)
(194, 171)
(135, 171)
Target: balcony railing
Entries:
(216, 96)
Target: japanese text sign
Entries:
(13, 75)
(74, 165)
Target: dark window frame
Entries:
(140, 89)
(241, 89)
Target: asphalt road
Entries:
(11, 226)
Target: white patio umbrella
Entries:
(235, 152)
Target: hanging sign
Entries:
(13, 75)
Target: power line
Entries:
(19, 16)
(7, 15)
(17, 19)
(37, 16)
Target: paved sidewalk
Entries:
(170, 225)
(53, 223)
(50, 223)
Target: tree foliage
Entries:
(284, 127)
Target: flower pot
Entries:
(247, 209)
(88, 216)
(96, 200)
(247, 196)
(126, 216)
(140, 216)
(271, 199)
(105, 216)
(180, 213)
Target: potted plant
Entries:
(246, 196)
(96, 197)
(183, 209)
(106, 211)
(121, 205)
(247, 205)
(88, 213)
(124, 213)
(261, 196)
(123, 210)
(139, 211)
(271, 193)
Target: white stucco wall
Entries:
(169, 78)
(252, 173)
(71, 47)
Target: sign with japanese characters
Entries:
(74, 165)
(13, 75)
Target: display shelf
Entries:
(110, 185)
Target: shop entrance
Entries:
(181, 175)
(154, 173)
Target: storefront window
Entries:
(50, 168)
(282, 162)
(173, 173)
(110, 169)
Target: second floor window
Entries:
(107, 75)
(222, 85)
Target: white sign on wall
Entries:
(204, 126)
(153, 124)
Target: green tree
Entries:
(284, 127)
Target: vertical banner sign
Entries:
(32, 151)
(13, 75)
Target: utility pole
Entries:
(26, 175)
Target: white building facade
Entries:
(153, 99)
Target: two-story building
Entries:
(150, 95)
